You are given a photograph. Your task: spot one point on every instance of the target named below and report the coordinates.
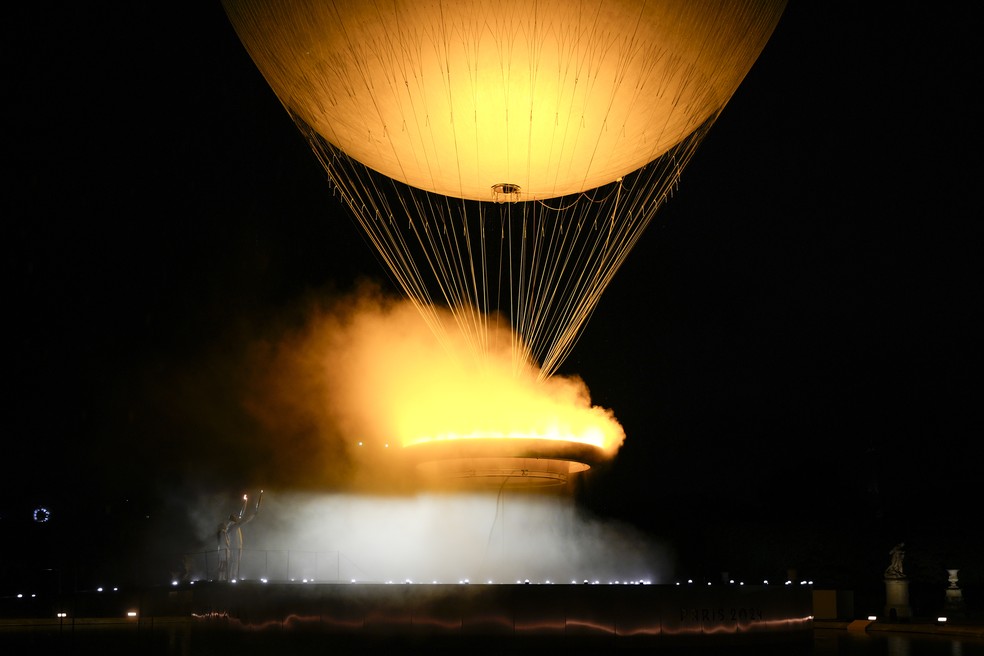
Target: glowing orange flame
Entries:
(369, 372)
(449, 404)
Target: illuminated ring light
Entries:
(497, 462)
(41, 515)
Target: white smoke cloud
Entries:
(503, 538)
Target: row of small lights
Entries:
(461, 582)
(20, 595)
(130, 614)
(63, 614)
(765, 582)
(546, 582)
(939, 620)
(521, 582)
(133, 613)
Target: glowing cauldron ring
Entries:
(502, 462)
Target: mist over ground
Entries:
(427, 537)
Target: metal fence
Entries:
(271, 565)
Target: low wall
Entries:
(644, 615)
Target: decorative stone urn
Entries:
(953, 603)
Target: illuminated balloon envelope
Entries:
(504, 156)
(531, 99)
(585, 111)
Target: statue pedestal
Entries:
(897, 599)
(953, 606)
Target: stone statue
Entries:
(894, 570)
(229, 530)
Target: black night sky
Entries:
(793, 348)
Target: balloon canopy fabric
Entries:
(532, 98)
(504, 156)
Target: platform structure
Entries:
(494, 463)
(556, 615)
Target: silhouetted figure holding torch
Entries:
(230, 536)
